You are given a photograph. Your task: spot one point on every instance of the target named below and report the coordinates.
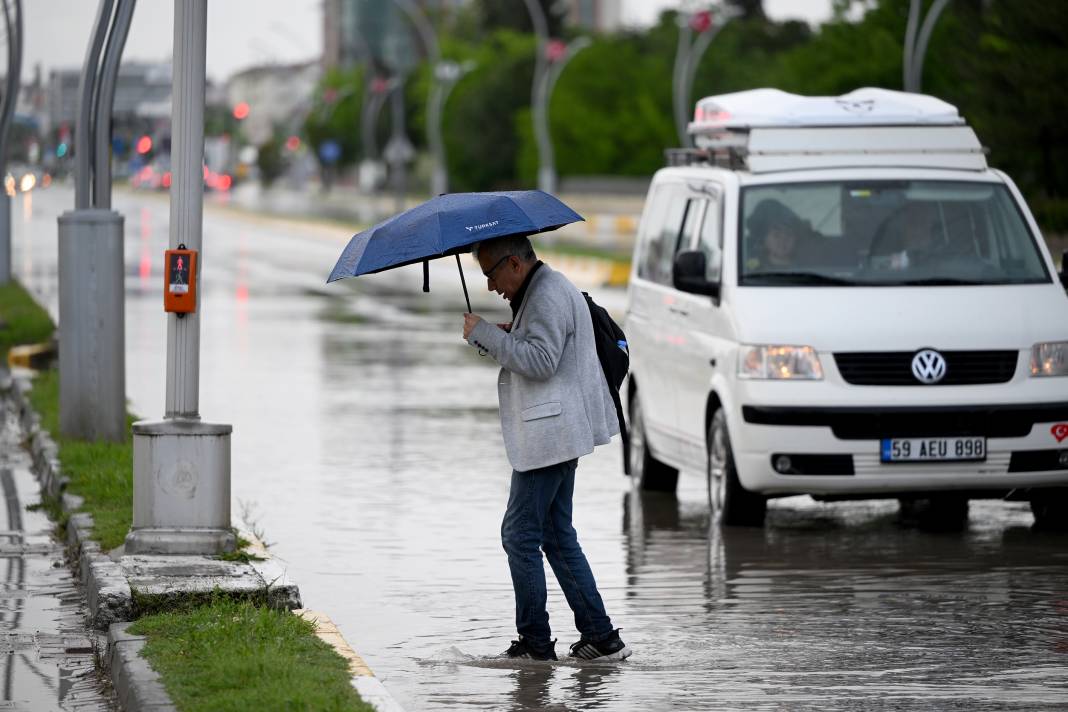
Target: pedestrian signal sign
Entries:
(180, 281)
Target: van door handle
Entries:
(680, 312)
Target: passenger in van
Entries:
(776, 237)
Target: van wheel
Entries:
(650, 474)
(727, 499)
(1050, 507)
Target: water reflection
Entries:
(846, 598)
(562, 688)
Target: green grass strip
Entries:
(100, 472)
(232, 655)
(22, 320)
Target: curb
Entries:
(370, 687)
(108, 592)
(110, 597)
(137, 685)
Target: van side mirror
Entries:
(1064, 269)
(688, 274)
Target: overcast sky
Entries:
(242, 33)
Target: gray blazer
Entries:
(554, 399)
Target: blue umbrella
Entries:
(448, 225)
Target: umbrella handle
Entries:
(464, 283)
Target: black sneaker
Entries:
(524, 650)
(611, 648)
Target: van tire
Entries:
(1050, 507)
(651, 474)
(728, 500)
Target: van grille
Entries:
(894, 368)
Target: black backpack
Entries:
(615, 361)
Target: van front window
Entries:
(885, 233)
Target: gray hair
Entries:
(499, 247)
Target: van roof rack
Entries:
(765, 130)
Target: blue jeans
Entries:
(539, 516)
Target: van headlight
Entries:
(1050, 359)
(779, 363)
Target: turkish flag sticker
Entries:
(1060, 431)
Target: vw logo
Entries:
(928, 366)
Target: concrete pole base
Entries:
(92, 335)
(179, 541)
(181, 488)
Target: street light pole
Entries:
(182, 464)
(439, 176)
(539, 99)
(688, 56)
(92, 338)
(916, 46)
(13, 25)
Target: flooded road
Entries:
(367, 446)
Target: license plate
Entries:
(932, 449)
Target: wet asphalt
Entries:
(367, 449)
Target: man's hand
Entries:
(470, 322)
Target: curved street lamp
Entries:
(551, 58)
(916, 46)
(707, 24)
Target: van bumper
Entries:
(835, 450)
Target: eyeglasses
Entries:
(488, 274)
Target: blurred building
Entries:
(142, 91)
(355, 30)
(277, 97)
(595, 15)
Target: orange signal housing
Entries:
(180, 281)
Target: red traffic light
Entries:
(144, 145)
(241, 110)
(555, 50)
(701, 21)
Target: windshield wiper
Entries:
(789, 277)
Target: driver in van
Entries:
(920, 236)
(775, 234)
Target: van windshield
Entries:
(885, 233)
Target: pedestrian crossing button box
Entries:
(180, 281)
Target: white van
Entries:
(836, 296)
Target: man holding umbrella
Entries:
(555, 407)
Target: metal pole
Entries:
(181, 464)
(105, 100)
(910, 44)
(682, 58)
(439, 172)
(187, 197)
(704, 40)
(924, 38)
(539, 98)
(399, 162)
(13, 26)
(83, 149)
(92, 341)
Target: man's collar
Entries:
(517, 298)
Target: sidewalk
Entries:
(50, 661)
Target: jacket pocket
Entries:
(542, 410)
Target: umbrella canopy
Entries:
(448, 225)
